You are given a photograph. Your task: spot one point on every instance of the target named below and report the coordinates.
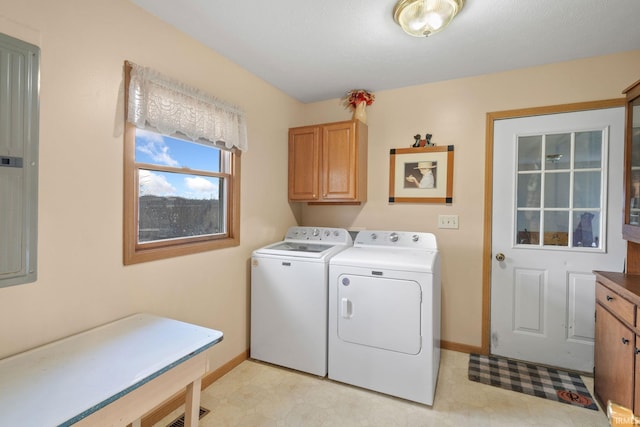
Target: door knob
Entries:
(500, 256)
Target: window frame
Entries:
(133, 252)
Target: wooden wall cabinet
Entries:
(617, 337)
(617, 371)
(631, 227)
(328, 163)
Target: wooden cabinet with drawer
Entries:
(617, 338)
(613, 302)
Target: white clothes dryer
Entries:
(289, 297)
(384, 314)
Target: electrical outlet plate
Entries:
(448, 221)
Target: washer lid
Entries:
(305, 249)
(387, 258)
(309, 242)
(300, 247)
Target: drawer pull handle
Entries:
(625, 341)
(609, 298)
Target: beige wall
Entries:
(82, 282)
(454, 112)
(81, 279)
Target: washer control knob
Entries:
(415, 238)
(327, 233)
(316, 232)
(393, 237)
(374, 236)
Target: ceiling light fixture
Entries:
(422, 18)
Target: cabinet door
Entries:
(304, 162)
(614, 359)
(339, 161)
(636, 404)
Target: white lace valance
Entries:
(170, 107)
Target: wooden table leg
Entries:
(192, 404)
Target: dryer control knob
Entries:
(415, 238)
(393, 237)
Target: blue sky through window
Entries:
(162, 150)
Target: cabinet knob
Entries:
(625, 341)
(609, 298)
(637, 351)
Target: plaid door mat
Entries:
(548, 383)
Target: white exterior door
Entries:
(557, 188)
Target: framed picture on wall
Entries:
(421, 175)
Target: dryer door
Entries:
(380, 312)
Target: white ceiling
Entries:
(318, 50)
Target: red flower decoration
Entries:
(356, 96)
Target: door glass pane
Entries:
(586, 190)
(560, 201)
(529, 152)
(556, 190)
(588, 151)
(586, 233)
(634, 201)
(529, 191)
(558, 151)
(635, 135)
(634, 192)
(556, 228)
(528, 228)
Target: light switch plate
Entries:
(448, 221)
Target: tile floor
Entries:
(258, 394)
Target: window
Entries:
(181, 194)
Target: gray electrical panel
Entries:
(19, 118)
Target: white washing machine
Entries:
(384, 314)
(289, 297)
